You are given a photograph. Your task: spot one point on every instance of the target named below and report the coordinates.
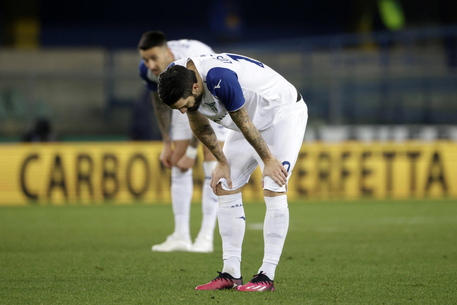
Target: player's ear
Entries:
(195, 88)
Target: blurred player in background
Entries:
(180, 145)
(267, 119)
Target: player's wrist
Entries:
(191, 152)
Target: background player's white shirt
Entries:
(182, 48)
(186, 48)
(234, 80)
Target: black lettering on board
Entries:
(57, 178)
(364, 173)
(413, 156)
(27, 192)
(436, 173)
(110, 182)
(389, 157)
(324, 170)
(84, 172)
(144, 188)
(302, 173)
(344, 172)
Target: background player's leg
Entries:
(181, 196)
(205, 237)
(204, 240)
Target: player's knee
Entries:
(270, 185)
(268, 193)
(220, 191)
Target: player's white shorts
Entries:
(180, 128)
(284, 140)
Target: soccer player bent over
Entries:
(267, 119)
(157, 53)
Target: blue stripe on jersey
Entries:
(143, 71)
(223, 83)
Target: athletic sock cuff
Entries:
(277, 202)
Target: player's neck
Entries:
(191, 66)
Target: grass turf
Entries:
(360, 252)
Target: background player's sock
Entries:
(181, 196)
(209, 203)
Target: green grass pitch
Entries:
(337, 252)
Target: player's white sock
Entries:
(275, 229)
(209, 203)
(232, 226)
(232, 266)
(181, 196)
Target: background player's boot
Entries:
(173, 243)
(202, 244)
(222, 281)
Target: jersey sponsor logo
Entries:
(212, 106)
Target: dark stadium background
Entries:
(116, 24)
(306, 41)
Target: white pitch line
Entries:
(255, 226)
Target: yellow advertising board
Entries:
(376, 170)
(129, 172)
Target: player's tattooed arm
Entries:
(204, 132)
(194, 142)
(250, 132)
(163, 115)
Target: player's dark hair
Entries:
(152, 39)
(175, 83)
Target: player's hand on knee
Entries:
(220, 171)
(276, 171)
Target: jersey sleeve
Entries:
(143, 72)
(223, 83)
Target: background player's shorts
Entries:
(180, 128)
(284, 140)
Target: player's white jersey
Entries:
(182, 48)
(185, 48)
(234, 80)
